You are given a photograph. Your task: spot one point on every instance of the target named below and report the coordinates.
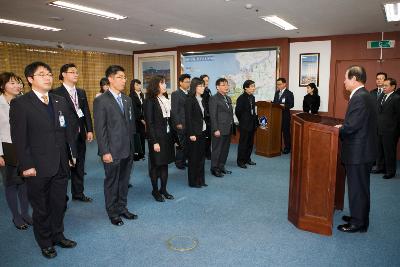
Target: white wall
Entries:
(322, 47)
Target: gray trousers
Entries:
(220, 150)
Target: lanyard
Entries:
(74, 99)
(165, 111)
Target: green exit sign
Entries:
(381, 44)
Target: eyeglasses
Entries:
(42, 75)
(121, 77)
(73, 72)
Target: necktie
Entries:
(379, 92)
(45, 99)
(121, 106)
(280, 94)
(383, 100)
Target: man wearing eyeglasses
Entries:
(39, 129)
(114, 121)
(81, 124)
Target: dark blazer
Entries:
(178, 99)
(194, 117)
(221, 114)
(39, 139)
(137, 106)
(311, 103)
(287, 99)
(358, 133)
(389, 115)
(114, 130)
(374, 93)
(245, 112)
(85, 123)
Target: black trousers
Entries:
(116, 185)
(387, 146)
(78, 172)
(358, 184)
(196, 160)
(245, 147)
(286, 132)
(47, 198)
(220, 151)
(181, 151)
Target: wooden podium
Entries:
(268, 139)
(317, 177)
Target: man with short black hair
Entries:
(380, 78)
(245, 112)
(178, 99)
(388, 129)
(81, 124)
(285, 98)
(358, 151)
(114, 122)
(42, 137)
(221, 116)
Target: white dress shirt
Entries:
(5, 133)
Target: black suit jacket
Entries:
(178, 99)
(287, 99)
(155, 122)
(114, 129)
(39, 139)
(194, 116)
(389, 115)
(79, 125)
(311, 103)
(359, 130)
(137, 106)
(245, 112)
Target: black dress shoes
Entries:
(286, 151)
(225, 171)
(128, 215)
(65, 243)
(195, 186)
(251, 162)
(217, 173)
(388, 176)
(157, 196)
(204, 185)
(130, 185)
(346, 218)
(242, 165)
(377, 171)
(83, 198)
(117, 221)
(49, 252)
(167, 195)
(352, 228)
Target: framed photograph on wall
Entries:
(149, 65)
(309, 69)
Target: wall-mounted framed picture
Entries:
(151, 64)
(309, 69)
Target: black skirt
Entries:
(167, 151)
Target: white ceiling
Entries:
(219, 20)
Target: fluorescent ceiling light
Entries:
(24, 24)
(277, 21)
(124, 40)
(392, 11)
(186, 33)
(86, 10)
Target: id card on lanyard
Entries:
(61, 119)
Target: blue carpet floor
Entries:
(239, 220)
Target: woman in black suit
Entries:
(137, 101)
(311, 99)
(15, 185)
(157, 109)
(196, 133)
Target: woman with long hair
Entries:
(311, 100)
(15, 186)
(157, 110)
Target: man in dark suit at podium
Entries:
(245, 111)
(388, 129)
(358, 151)
(285, 98)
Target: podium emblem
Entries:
(263, 122)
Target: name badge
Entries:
(61, 119)
(283, 101)
(80, 113)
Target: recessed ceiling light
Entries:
(124, 40)
(392, 11)
(185, 33)
(277, 21)
(30, 25)
(86, 10)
